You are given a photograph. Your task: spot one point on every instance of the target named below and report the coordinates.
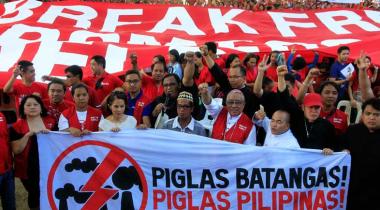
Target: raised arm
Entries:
(258, 86)
(364, 82)
(8, 88)
(188, 72)
(219, 76)
(313, 73)
(281, 72)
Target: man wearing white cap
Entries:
(184, 122)
(231, 123)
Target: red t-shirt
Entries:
(221, 63)
(355, 79)
(338, 118)
(204, 76)
(251, 75)
(272, 73)
(93, 98)
(107, 83)
(150, 88)
(55, 110)
(5, 152)
(20, 90)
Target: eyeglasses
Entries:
(133, 81)
(232, 102)
(170, 84)
(183, 106)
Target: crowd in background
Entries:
(253, 5)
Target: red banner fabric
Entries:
(57, 34)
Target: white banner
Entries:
(161, 169)
(344, 1)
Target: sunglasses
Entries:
(98, 84)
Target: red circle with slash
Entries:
(114, 154)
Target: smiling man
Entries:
(231, 123)
(56, 104)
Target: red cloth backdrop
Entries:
(54, 35)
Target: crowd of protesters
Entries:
(253, 5)
(270, 101)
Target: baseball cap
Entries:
(312, 99)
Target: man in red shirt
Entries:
(212, 50)
(27, 85)
(329, 92)
(74, 75)
(152, 85)
(103, 82)
(55, 104)
(7, 184)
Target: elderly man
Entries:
(184, 122)
(278, 133)
(231, 123)
(235, 79)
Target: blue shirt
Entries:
(132, 103)
(335, 72)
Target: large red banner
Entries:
(57, 34)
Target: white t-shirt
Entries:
(63, 123)
(284, 140)
(128, 123)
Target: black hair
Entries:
(160, 58)
(75, 70)
(24, 64)
(175, 53)
(116, 95)
(374, 102)
(79, 85)
(182, 59)
(230, 58)
(326, 83)
(133, 71)
(290, 77)
(299, 63)
(198, 54)
(22, 104)
(211, 46)
(341, 48)
(266, 81)
(323, 65)
(270, 55)
(176, 77)
(249, 56)
(159, 62)
(57, 81)
(99, 60)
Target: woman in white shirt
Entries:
(117, 121)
